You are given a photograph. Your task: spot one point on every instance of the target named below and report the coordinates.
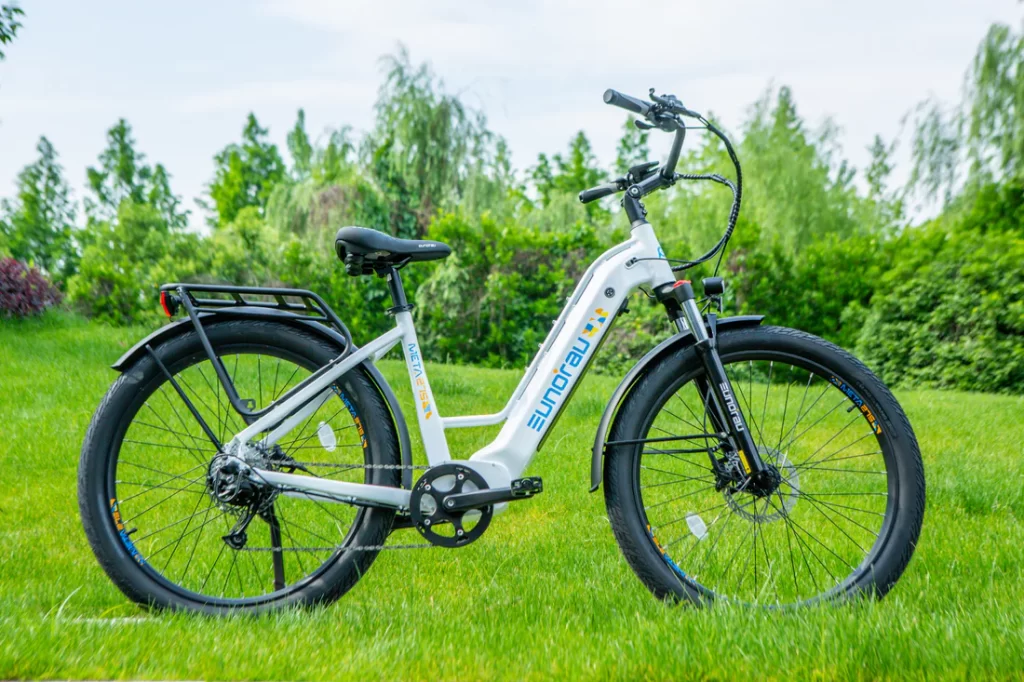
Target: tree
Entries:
(135, 238)
(980, 139)
(995, 92)
(300, 148)
(246, 173)
(9, 24)
(423, 145)
(633, 147)
(123, 175)
(334, 160)
(569, 174)
(38, 226)
(888, 205)
(126, 258)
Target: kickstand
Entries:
(275, 542)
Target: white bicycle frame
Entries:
(535, 404)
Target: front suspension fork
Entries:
(723, 407)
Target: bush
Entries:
(494, 299)
(950, 314)
(23, 290)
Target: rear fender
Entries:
(184, 326)
(664, 348)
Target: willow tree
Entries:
(9, 24)
(980, 139)
(424, 144)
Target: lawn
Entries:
(546, 593)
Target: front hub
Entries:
(771, 495)
(766, 482)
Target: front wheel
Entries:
(847, 510)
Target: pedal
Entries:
(527, 487)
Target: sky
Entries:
(185, 74)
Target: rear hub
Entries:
(230, 483)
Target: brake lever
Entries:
(643, 125)
(672, 103)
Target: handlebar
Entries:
(662, 112)
(601, 191)
(617, 99)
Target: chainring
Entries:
(428, 513)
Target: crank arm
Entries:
(521, 488)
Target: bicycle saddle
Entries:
(364, 250)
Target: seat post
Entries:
(401, 303)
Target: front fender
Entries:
(667, 346)
(183, 326)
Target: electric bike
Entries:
(250, 456)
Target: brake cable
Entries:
(737, 197)
(734, 213)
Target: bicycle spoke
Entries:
(149, 486)
(195, 545)
(690, 494)
(156, 504)
(789, 544)
(194, 530)
(764, 409)
(174, 433)
(845, 447)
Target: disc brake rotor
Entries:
(755, 509)
(441, 527)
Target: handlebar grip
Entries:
(617, 99)
(599, 192)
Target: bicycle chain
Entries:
(360, 548)
(364, 466)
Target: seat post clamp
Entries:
(394, 310)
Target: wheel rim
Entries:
(812, 538)
(163, 511)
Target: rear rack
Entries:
(303, 305)
(309, 305)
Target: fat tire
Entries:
(113, 417)
(624, 507)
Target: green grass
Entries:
(546, 593)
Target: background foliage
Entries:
(818, 246)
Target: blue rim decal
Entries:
(355, 415)
(123, 534)
(668, 560)
(869, 416)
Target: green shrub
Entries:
(494, 300)
(950, 313)
(126, 259)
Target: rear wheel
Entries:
(847, 510)
(147, 502)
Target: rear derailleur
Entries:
(231, 484)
